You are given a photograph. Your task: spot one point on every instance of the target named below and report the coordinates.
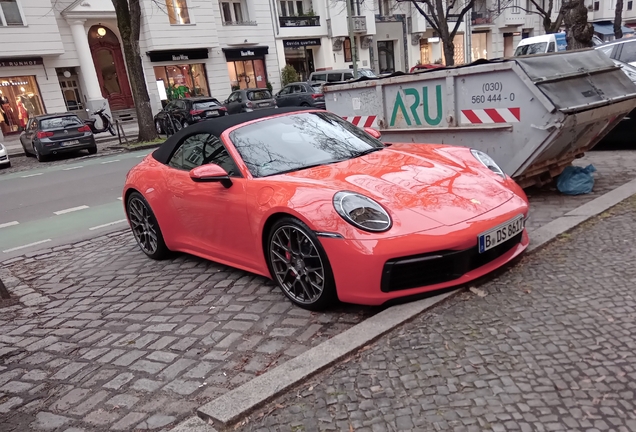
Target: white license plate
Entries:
(500, 234)
(69, 143)
(264, 104)
(211, 113)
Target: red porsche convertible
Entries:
(324, 208)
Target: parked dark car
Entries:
(301, 94)
(247, 100)
(51, 134)
(188, 111)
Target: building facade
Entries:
(70, 55)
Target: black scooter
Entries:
(107, 123)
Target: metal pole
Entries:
(469, 35)
(354, 53)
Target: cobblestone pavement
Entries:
(550, 347)
(114, 341)
(105, 339)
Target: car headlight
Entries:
(361, 211)
(488, 162)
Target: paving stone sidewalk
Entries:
(105, 339)
(549, 348)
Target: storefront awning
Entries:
(607, 28)
(245, 53)
(178, 55)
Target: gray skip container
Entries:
(533, 115)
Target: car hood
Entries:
(432, 181)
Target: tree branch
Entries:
(463, 12)
(424, 14)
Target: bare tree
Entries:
(618, 19)
(439, 14)
(578, 31)
(129, 24)
(545, 10)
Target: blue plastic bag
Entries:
(576, 180)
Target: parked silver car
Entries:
(4, 157)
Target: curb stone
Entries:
(231, 407)
(136, 148)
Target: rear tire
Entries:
(38, 156)
(304, 104)
(299, 265)
(92, 150)
(145, 227)
(111, 129)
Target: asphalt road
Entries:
(56, 205)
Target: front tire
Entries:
(111, 129)
(300, 266)
(145, 227)
(92, 150)
(158, 127)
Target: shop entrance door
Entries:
(73, 96)
(110, 67)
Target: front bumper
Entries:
(56, 147)
(362, 268)
(4, 157)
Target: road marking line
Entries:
(31, 175)
(73, 168)
(8, 224)
(111, 161)
(107, 225)
(120, 198)
(26, 245)
(69, 210)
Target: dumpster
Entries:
(533, 115)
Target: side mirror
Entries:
(374, 133)
(210, 173)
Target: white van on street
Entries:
(542, 44)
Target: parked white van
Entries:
(542, 44)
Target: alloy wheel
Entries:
(158, 127)
(143, 225)
(297, 264)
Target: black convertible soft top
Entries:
(216, 127)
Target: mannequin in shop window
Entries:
(23, 114)
(9, 123)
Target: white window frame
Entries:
(294, 11)
(244, 12)
(3, 20)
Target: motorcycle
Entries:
(107, 124)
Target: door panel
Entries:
(112, 76)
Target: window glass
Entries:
(628, 53)
(347, 49)
(200, 149)
(205, 104)
(178, 11)
(259, 95)
(60, 122)
(297, 141)
(551, 47)
(607, 50)
(319, 77)
(348, 76)
(11, 13)
(286, 90)
(334, 77)
(536, 48)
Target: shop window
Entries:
(178, 11)
(19, 100)
(10, 13)
(425, 52)
(182, 81)
(386, 56)
(234, 12)
(347, 49)
(479, 46)
(247, 74)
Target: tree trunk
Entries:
(578, 32)
(618, 20)
(449, 51)
(129, 23)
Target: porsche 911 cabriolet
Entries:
(324, 208)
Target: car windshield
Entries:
(535, 48)
(60, 122)
(205, 104)
(367, 73)
(298, 141)
(259, 95)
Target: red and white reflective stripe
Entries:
(491, 115)
(362, 121)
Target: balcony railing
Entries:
(481, 18)
(299, 21)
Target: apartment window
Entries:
(291, 8)
(629, 5)
(177, 11)
(347, 49)
(10, 13)
(596, 6)
(234, 12)
(384, 8)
